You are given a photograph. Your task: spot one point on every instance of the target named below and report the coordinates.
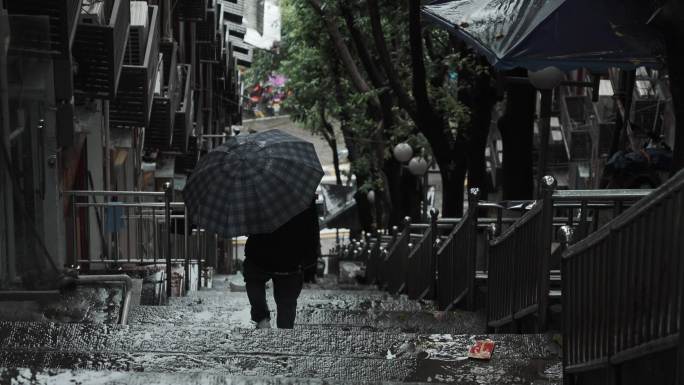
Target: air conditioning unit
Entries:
(93, 12)
(138, 32)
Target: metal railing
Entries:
(420, 277)
(140, 228)
(455, 260)
(395, 264)
(520, 264)
(623, 285)
(517, 283)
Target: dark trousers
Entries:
(286, 289)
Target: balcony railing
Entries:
(159, 134)
(133, 227)
(622, 297)
(133, 104)
(191, 10)
(99, 51)
(43, 27)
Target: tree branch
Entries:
(342, 49)
(420, 93)
(404, 100)
(360, 44)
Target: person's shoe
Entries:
(264, 324)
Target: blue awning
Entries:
(534, 34)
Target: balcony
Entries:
(42, 27)
(191, 10)
(159, 133)
(185, 115)
(99, 49)
(133, 103)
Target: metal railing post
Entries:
(549, 184)
(168, 195)
(186, 247)
(471, 240)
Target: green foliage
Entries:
(321, 91)
(264, 63)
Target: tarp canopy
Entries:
(534, 34)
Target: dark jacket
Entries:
(293, 247)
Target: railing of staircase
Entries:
(518, 280)
(420, 277)
(389, 241)
(455, 260)
(395, 264)
(623, 285)
(372, 263)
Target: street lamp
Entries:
(418, 166)
(403, 152)
(371, 196)
(547, 78)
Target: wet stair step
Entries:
(457, 322)
(28, 376)
(316, 299)
(351, 356)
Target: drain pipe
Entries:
(107, 145)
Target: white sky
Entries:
(271, 27)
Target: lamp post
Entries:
(403, 152)
(545, 80)
(418, 166)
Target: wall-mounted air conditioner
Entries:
(138, 32)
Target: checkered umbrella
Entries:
(253, 184)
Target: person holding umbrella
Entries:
(297, 242)
(262, 185)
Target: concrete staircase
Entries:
(344, 335)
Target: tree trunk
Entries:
(517, 134)
(453, 179)
(449, 155)
(675, 65)
(477, 144)
(480, 99)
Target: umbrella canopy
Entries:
(253, 184)
(534, 34)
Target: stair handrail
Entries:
(394, 265)
(455, 259)
(420, 276)
(518, 280)
(622, 297)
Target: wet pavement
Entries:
(355, 335)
